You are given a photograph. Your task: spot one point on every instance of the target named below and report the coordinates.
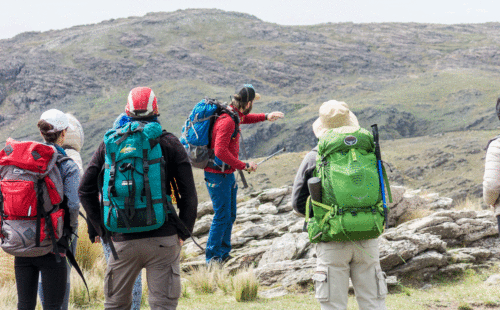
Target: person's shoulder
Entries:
(494, 146)
(68, 165)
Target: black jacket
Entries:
(178, 170)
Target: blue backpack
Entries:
(196, 133)
(134, 185)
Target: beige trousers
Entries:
(359, 260)
(160, 256)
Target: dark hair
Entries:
(238, 103)
(498, 108)
(48, 137)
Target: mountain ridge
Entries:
(412, 79)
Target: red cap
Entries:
(141, 103)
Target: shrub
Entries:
(246, 286)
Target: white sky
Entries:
(18, 16)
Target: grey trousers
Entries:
(160, 256)
(339, 261)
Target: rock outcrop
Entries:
(268, 236)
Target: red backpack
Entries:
(31, 186)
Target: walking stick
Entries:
(498, 220)
(242, 175)
(379, 168)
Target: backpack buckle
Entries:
(340, 211)
(353, 212)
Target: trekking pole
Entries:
(271, 156)
(379, 168)
(498, 220)
(240, 172)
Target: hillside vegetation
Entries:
(414, 80)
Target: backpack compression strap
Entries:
(127, 133)
(48, 221)
(106, 233)
(147, 187)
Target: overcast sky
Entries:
(18, 16)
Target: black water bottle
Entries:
(314, 185)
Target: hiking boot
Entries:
(226, 259)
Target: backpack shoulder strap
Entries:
(234, 116)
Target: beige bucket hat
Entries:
(333, 114)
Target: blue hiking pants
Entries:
(222, 188)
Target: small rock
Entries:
(493, 280)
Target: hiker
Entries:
(94, 238)
(491, 180)
(221, 183)
(144, 233)
(60, 180)
(72, 145)
(339, 260)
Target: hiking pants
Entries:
(359, 260)
(137, 291)
(54, 274)
(160, 256)
(222, 188)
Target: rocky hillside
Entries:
(411, 79)
(428, 237)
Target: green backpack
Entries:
(134, 184)
(351, 208)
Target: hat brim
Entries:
(319, 128)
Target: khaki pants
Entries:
(359, 260)
(160, 256)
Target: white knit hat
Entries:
(57, 119)
(333, 114)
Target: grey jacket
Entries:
(300, 191)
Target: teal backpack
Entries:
(352, 207)
(134, 183)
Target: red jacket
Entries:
(225, 148)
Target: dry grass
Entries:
(246, 286)
(470, 204)
(413, 214)
(202, 280)
(87, 253)
(6, 268)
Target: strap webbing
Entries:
(48, 223)
(125, 134)
(147, 186)
(105, 232)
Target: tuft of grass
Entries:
(222, 278)
(87, 253)
(464, 306)
(78, 296)
(202, 280)
(469, 203)
(246, 286)
(413, 214)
